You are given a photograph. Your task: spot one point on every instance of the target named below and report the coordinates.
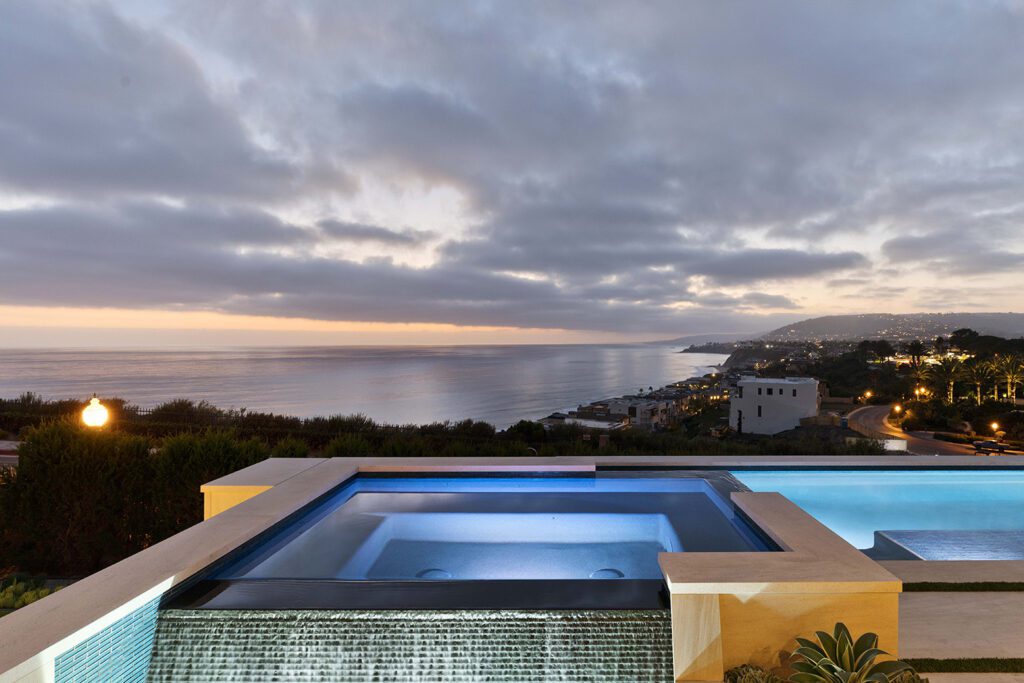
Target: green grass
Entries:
(968, 587)
(979, 665)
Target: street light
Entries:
(897, 408)
(95, 414)
(994, 426)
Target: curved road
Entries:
(873, 421)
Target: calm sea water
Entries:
(499, 384)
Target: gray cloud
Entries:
(659, 167)
(360, 232)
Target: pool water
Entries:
(482, 528)
(857, 503)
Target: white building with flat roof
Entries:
(769, 405)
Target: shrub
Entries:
(750, 674)
(290, 448)
(18, 593)
(83, 499)
(348, 446)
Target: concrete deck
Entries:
(962, 625)
(975, 678)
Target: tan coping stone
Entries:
(814, 559)
(86, 603)
(468, 467)
(956, 571)
(269, 472)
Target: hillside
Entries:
(899, 327)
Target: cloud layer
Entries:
(646, 168)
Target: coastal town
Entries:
(878, 389)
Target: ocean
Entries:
(397, 385)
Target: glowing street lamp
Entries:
(897, 408)
(994, 426)
(95, 414)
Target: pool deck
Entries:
(968, 625)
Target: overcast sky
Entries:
(403, 172)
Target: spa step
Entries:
(405, 646)
(948, 545)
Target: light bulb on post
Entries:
(95, 414)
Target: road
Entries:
(872, 421)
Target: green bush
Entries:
(750, 674)
(348, 446)
(82, 499)
(20, 592)
(290, 448)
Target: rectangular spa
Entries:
(555, 538)
(911, 514)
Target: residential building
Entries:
(769, 405)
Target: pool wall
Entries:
(248, 503)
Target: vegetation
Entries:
(17, 591)
(748, 673)
(81, 500)
(837, 658)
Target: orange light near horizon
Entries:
(897, 408)
(95, 414)
(995, 426)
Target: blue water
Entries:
(494, 528)
(856, 503)
(497, 384)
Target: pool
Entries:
(930, 514)
(422, 537)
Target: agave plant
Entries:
(836, 658)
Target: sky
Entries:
(192, 173)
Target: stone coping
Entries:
(269, 472)
(956, 571)
(813, 559)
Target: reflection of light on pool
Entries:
(433, 573)
(606, 573)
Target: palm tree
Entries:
(946, 374)
(915, 350)
(1010, 368)
(978, 372)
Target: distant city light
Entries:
(897, 408)
(995, 426)
(95, 414)
(868, 394)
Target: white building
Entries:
(766, 405)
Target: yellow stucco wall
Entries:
(217, 499)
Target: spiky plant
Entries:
(837, 658)
(747, 673)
